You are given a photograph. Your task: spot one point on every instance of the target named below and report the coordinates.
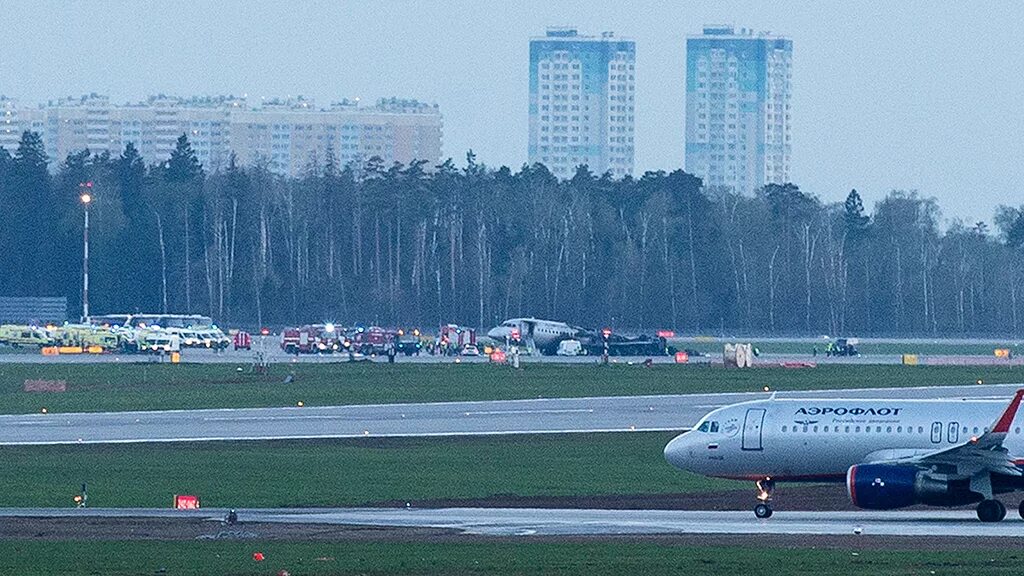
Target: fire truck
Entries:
(452, 339)
(310, 339)
(372, 340)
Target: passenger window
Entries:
(857, 429)
(899, 429)
(888, 429)
(878, 429)
(815, 429)
(920, 429)
(847, 429)
(783, 428)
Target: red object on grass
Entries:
(186, 502)
(257, 556)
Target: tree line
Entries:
(419, 245)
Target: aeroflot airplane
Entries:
(890, 453)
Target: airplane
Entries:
(542, 335)
(890, 453)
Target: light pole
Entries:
(85, 190)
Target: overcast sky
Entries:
(926, 95)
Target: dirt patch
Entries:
(197, 529)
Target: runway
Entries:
(537, 416)
(527, 522)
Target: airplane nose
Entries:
(496, 333)
(677, 451)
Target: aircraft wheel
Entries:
(991, 511)
(763, 511)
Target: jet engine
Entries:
(889, 486)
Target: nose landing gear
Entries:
(765, 488)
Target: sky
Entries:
(911, 95)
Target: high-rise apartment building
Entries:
(582, 102)
(738, 111)
(287, 135)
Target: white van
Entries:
(570, 348)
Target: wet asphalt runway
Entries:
(556, 415)
(527, 522)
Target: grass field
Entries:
(98, 387)
(499, 558)
(344, 472)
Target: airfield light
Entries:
(265, 331)
(980, 381)
(44, 410)
(606, 332)
(401, 332)
(301, 404)
(766, 389)
(329, 327)
(416, 332)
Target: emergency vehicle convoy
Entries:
(123, 333)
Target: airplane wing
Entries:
(983, 453)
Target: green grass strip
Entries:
(115, 387)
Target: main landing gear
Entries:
(993, 510)
(765, 488)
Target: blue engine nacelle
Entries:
(888, 486)
(881, 486)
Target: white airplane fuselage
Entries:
(819, 440)
(543, 334)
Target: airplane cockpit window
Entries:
(703, 427)
(714, 426)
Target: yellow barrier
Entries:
(175, 357)
(50, 351)
(910, 359)
(94, 349)
(69, 349)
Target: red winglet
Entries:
(1003, 424)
